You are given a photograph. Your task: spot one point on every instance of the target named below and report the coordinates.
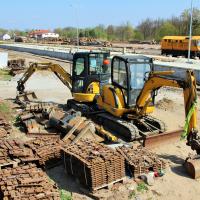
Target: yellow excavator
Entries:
(123, 105)
(121, 100)
(89, 71)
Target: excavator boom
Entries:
(55, 68)
(156, 81)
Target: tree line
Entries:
(148, 29)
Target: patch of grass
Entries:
(6, 111)
(64, 195)
(4, 108)
(5, 75)
(132, 195)
(141, 187)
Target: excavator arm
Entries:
(157, 80)
(55, 68)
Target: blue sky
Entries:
(49, 14)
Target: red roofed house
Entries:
(42, 34)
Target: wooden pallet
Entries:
(109, 185)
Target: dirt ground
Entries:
(175, 184)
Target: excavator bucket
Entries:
(193, 167)
(26, 97)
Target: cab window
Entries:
(79, 68)
(119, 72)
(96, 64)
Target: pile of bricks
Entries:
(4, 157)
(4, 128)
(39, 150)
(13, 152)
(45, 148)
(140, 160)
(94, 164)
(26, 182)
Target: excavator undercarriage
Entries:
(125, 129)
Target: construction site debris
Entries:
(39, 150)
(95, 165)
(16, 66)
(47, 149)
(72, 126)
(5, 128)
(26, 182)
(141, 161)
(35, 119)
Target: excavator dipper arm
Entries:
(157, 80)
(55, 68)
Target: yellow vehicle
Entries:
(89, 71)
(178, 46)
(129, 99)
(123, 106)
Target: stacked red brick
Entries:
(94, 164)
(4, 128)
(26, 182)
(40, 150)
(140, 160)
(45, 148)
(14, 149)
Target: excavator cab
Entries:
(90, 71)
(128, 76)
(129, 73)
(88, 68)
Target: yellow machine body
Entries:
(91, 92)
(112, 100)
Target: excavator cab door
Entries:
(128, 74)
(79, 74)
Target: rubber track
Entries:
(126, 129)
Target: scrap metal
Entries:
(95, 165)
(26, 182)
(45, 148)
(140, 160)
(38, 150)
(73, 126)
(5, 128)
(16, 66)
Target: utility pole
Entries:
(77, 24)
(190, 31)
(77, 28)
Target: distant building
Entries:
(48, 35)
(34, 34)
(5, 37)
(20, 39)
(43, 34)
